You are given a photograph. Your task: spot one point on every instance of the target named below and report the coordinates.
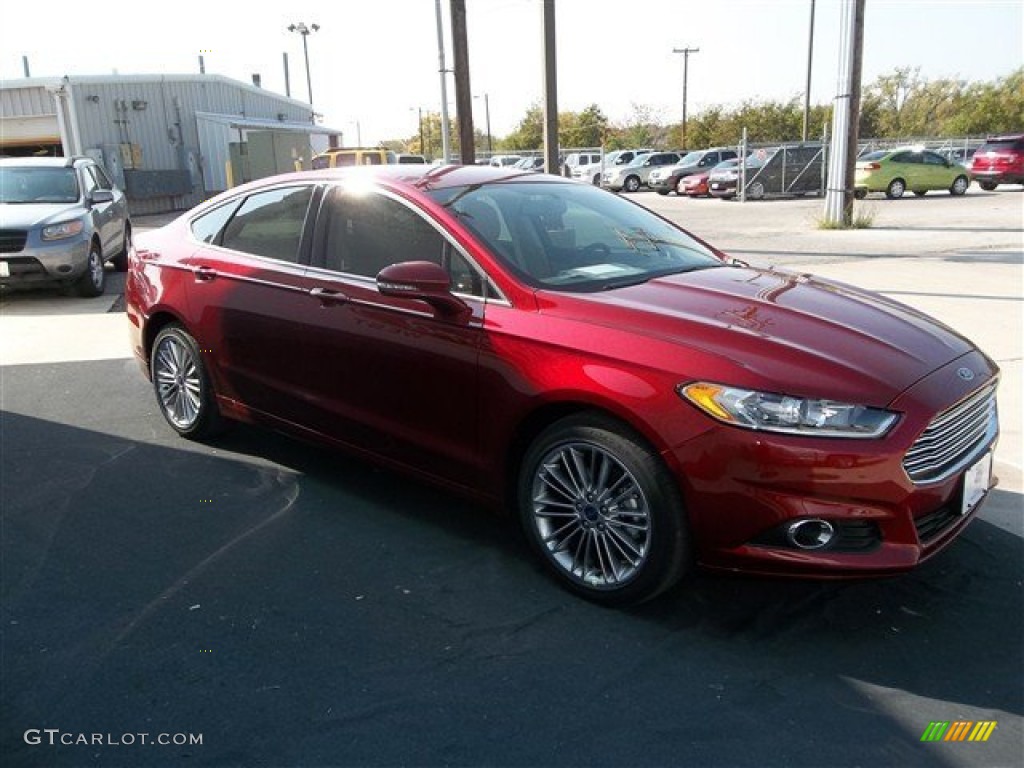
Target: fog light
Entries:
(810, 534)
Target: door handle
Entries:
(327, 297)
(204, 274)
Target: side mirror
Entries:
(423, 280)
(98, 196)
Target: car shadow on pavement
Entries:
(295, 605)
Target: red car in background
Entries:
(1000, 160)
(697, 184)
(639, 399)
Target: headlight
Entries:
(792, 415)
(63, 230)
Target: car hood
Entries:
(26, 215)
(782, 330)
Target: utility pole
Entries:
(810, 59)
(463, 94)
(686, 74)
(446, 146)
(550, 90)
(845, 116)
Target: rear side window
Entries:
(1001, 145)
(207, 227)
(270, 223)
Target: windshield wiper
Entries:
(640, 280)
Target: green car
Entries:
(894, 171)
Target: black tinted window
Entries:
(270, 223)
(367, 232)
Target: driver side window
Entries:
(366, 232)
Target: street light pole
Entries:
(810, 60)
(305, 31)
(487, 117)
(686, 74)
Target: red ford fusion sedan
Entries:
(643, 402)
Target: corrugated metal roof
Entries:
(256, 123)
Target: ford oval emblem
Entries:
(966, 374)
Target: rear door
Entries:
(250, 301)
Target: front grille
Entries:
(12, 240)
(932, 525)
(953, 438)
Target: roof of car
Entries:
(48, 162)
(423, 177)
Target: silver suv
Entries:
(635, 175)
(61, 220)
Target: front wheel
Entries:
(860, 194)
(632, 184)
(896, 189)
(755, 191)
(182, 385)
(960, 185)
(602, 511)
(94, 278)
(988, 186)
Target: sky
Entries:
(373, 64)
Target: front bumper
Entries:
(744, 491)
(45, 262)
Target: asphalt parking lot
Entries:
(289, 605)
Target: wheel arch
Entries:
(546, 414)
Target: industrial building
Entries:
(170, 141)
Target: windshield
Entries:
(574, 237)
(691, 158)
(27, 184)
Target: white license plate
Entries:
(5, 269)
(976, 482)
(716, 185)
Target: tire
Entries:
(960, 185)
(631, 184)
(120, 261)
(602, 511)
(860, 194)
(896, 189)
(597, 179)
(662, 192)
(988, 186)
(920, 192)
(756, 191)
(94, 279)
(182, 385)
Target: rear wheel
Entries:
(632, 184)
(860, 194)
(896, 189)
(602, 510)
(182, 385)
(920, 192)
(755, 191)
(988, 186)
(960, 185)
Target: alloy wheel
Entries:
(178, 382)
(591, 514)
